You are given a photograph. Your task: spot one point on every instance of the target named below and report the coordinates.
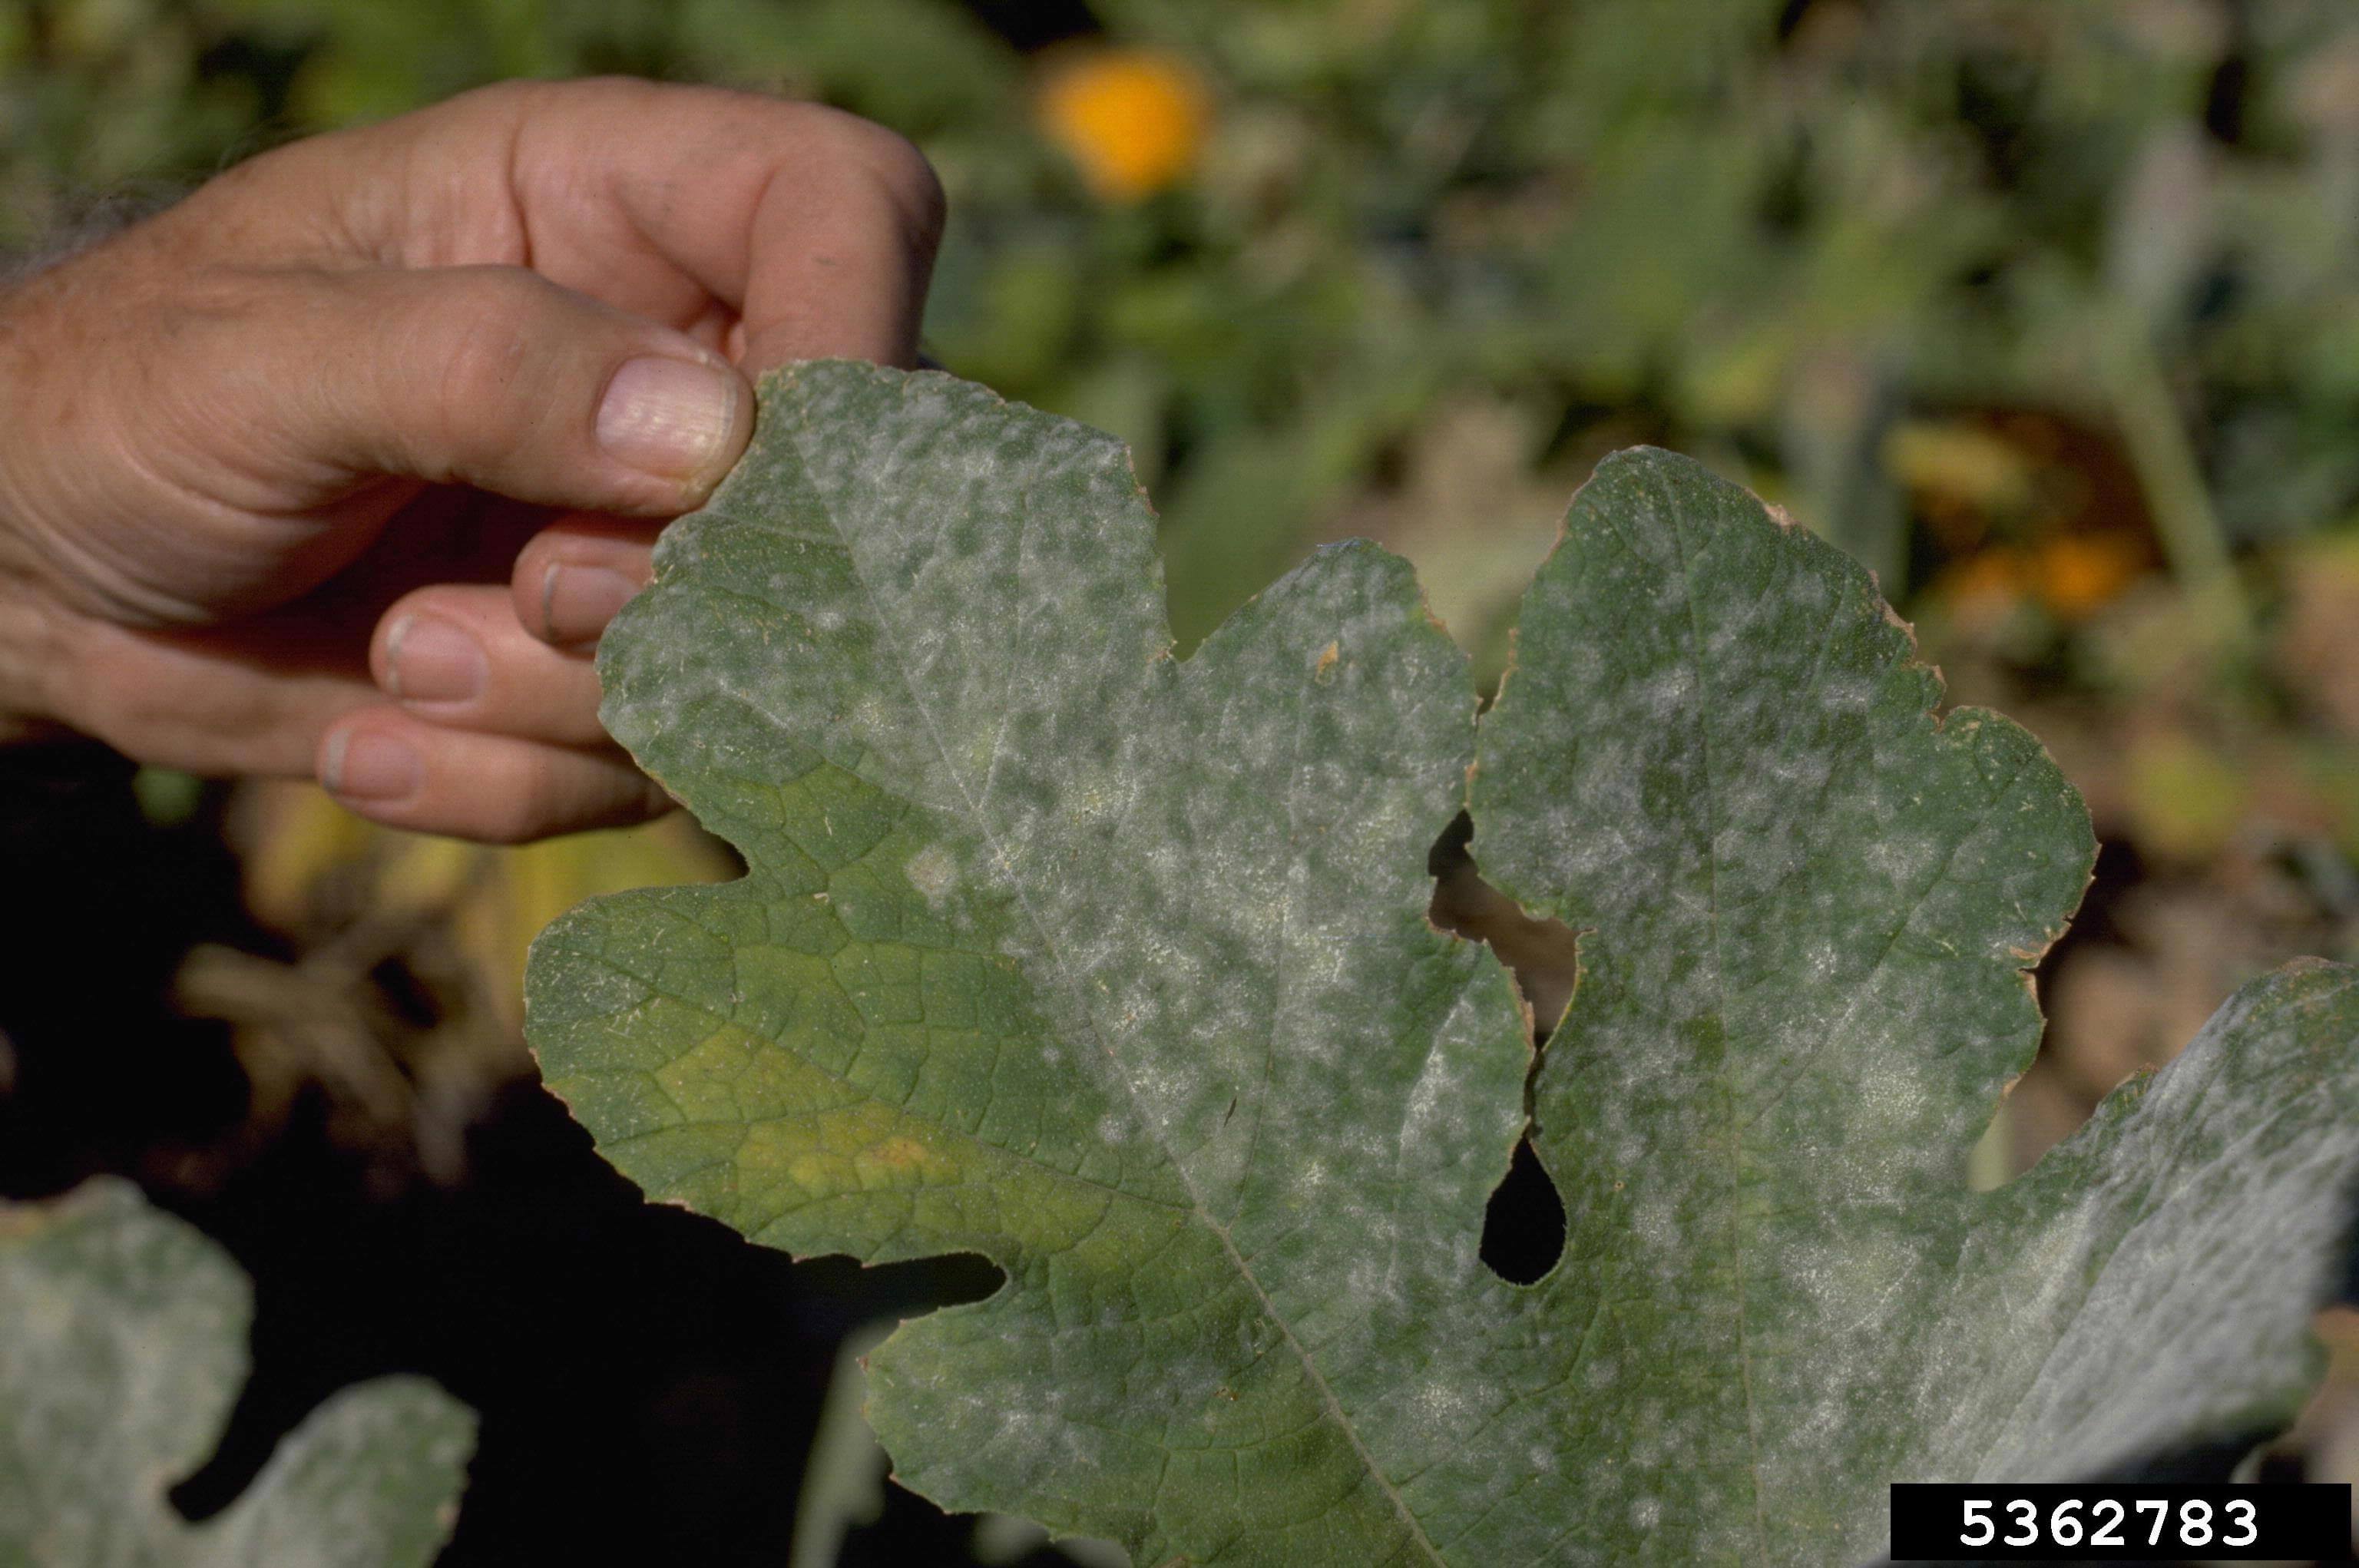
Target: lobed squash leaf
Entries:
(1116, 969)
(122, 1347)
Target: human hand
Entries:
(339, 467)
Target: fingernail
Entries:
(367, 767)
(576, 601)
(428, 659)
(667, 417)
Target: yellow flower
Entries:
(1132, 120)
(2079, 574)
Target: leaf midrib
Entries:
(1735, 1119)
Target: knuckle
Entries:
(482, 345)
(495, 98)
(548, 796)
(516, 821)
(901, 173)
(499, 797)
(915, 190)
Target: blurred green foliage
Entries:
(1769, 232)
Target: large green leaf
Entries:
(122, 1345)
(1808, 910)
(1116, 969)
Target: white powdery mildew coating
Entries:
(1222, 1028)
(1808, 908)
(124, 1345)
(2234, 1165)
(1212, 877)
(933, 872)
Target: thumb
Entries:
(496, 377)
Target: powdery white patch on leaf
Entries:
(1115, 968)
(122, 1347)
(1808, 910)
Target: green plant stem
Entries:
(2156, 436)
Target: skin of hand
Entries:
(339, 467)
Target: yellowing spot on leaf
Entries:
(1329, 657)
(901, 1154)
(855, 1150)
(1132, 120)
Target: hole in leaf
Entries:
(1540, 953)
(1523, 1228)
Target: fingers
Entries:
(818, 228)
(572, 577)
(521, 759)
(253, 702)
(455, 655)
(811, 230)
(495, 736)
(495, 378)
(284, 420)
(534, 292)
(397, 769)
(188, 703)
(841, 266)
